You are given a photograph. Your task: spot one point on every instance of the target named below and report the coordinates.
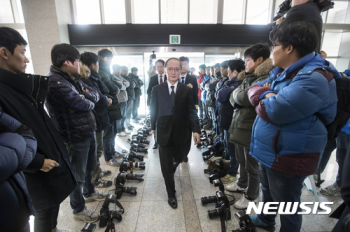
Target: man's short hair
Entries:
(133, 69)
(236, 64)
(173, 58)
(61, 53)
(88, 58)
(115, 66)
(202, 66)
(184, 58)
(212, 67)
(122, 68)
(301, 35)
(217, 65)
(258, 50)
(161, 61)
(105, 53)
(224, 64)
(10, 38)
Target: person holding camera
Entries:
(50, 168)
(257, 68)
(17, 148)
(288, 138)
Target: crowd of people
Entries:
(270, 113)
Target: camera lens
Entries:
(208, 200)
(131, 190)
(214, 213)
(213, 177)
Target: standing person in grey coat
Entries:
(131, 96)
(123, 101)
(138, 92)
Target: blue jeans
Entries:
(120, 123)
(83, 161)
(281, 187)
(230, 154)
(109, 140)
(341, 143)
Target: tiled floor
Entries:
(149, 211)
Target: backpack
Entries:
(343, 106)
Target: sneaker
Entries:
(86, 215)
(332, 190)
(113, 162)
(127, 132)
(242, 203)
(121, 134)
(258, 223)
(124, 151)
(105, 173)
(118, 155)
(130, 128)
(101, 183)
(96, 196)
(228, 179)
(233, 187)
(61, 230)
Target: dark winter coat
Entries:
(114, 87)
(130, 90)
(93, 79)
(66, 94)
(17, 149)
(225, 109)
(138, 84)
(22, 97)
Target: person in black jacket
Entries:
(138, 92)
(17, 149)
(70, 104)
(89, 75)
(49, 176)
(105, 61)
(131, 96)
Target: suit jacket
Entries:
(153, 82)
(193, 81)
(174, 119)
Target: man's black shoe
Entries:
(155, 146)
(186, 159)
(172, 202)
(175, 166)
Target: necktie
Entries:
(172, 95)
(161, 80)
(183, 80)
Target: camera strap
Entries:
(110, 227)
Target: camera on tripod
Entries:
(130, 165)
(136, 148)
(245, 223)
(106, 214)
(120, 189)
(132, 156)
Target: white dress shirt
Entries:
(169, 87)
(162, 78)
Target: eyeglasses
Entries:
(173, 69)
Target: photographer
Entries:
(17, 148)
(287, 137)
(302, 10)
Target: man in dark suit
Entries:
(190, 81)
(173, 112)
(156, 80)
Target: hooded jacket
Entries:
(17, 147)
(225, 109)
(138, 84)
(65, 94)
(244, 113)
(27, 93)
(287, 136)
(93, 80)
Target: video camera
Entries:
(285, 6)
(130, 165)
(245, 223)
(107, 215)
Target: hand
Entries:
(267, 85)
(196, 138)
(71, 111)
(154, 132)
(110, 102)
(279, 21)
(86, 90)
(270, 95)
(48, 165)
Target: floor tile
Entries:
(202, 187)
(191, 216)
(155, 190)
